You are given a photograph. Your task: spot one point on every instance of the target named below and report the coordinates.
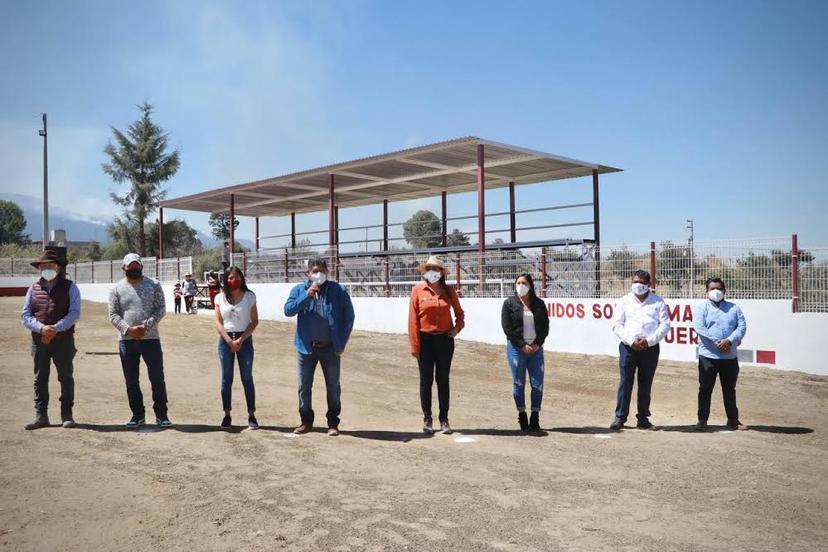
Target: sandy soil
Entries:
(382, 485)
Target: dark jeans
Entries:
(177, 302)
(132, 351)
(305, 369)
(62, 352)
(188, 303)
(436, 352)
(245, 358)
(728, 372)
(645, 361)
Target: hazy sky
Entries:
(716, 111)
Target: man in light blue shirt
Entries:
(721, 328)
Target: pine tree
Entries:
(139, 157)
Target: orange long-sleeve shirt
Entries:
(429, 312)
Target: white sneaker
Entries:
(163, 423)
(69, 423)
(134, 422)
(445, 428)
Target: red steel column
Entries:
(336, 240)
(653, 265)
(596, 229)
(331, 211)
(257, 233)
(513, 232)
(443, 198)
(232, 227)
(481, 218)
(457, 272)
(543, 272)
(160, 232)
(385, 225)
(795, 272)
(387, 278)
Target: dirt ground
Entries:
(382, 485)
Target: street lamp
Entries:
(42, 133)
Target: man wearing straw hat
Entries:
(50, 310)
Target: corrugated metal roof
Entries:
(419, 172)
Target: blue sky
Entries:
(716, 111)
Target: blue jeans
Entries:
(305, 368)
(131, 351)
(520, 363)
(628, 361)
(245, 358)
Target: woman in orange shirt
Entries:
(431, 332)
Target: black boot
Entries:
(523, 421)
(534, 422)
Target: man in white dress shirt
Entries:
(640, 321)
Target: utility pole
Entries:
(45, 186)
(690, 238)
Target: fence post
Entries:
(287, 266)
(543, 272)
(795, 273)
(387, 278)
(76, 271)
(178, 269)
(93, 271)
(653, 265)
(111, 272)
(157, 268)
(457, 272)
(12, 266)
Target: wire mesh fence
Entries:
(752, 269)
(813, 280)
(102, 272)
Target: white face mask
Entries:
(49, 274)
(521, 289)
(318, 278)
(432, 276)
(715, 295)
(640, 289)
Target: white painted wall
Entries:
(577, 325)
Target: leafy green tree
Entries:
(624, 262)
(423, 230)
(220, 225)
(139, 157)
(12, 223)
(456, 237)
(180, 239)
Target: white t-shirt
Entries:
(529, 334)
(236, 317)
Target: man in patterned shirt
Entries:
(136, 306)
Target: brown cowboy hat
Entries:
(49, 256)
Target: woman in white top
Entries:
(525, 322)
(236, 319)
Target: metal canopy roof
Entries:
(420, 172)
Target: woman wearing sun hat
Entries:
(431, 332)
